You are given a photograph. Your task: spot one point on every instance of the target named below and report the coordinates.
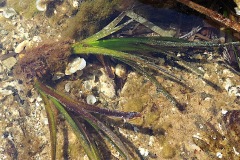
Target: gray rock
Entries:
(2, 3)
(9, 62)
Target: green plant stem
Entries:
(89, 147)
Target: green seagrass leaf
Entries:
(51, 124)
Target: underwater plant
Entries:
(231, 54)
(65, 105)
(224, 144)
(123, 49)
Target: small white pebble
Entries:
(224, 111)
(91, 99)
(39, 99)
(5, 92)
(201, 69)
(237, 10)
(120, 70)
(45, 121)
(85, 157)
(227, 84)
(144, 152)
(37, 39)
(222, 40)
(219, 155)
(20, 47)
(67, 87)
(37, 104)
(9, 62)
(75, 4)
(151, 140)
(32, 99)
(197, 136)
(200, 126)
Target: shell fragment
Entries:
(76, 65)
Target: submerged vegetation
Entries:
(140, 53)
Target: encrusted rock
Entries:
(107, 86)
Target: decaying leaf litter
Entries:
(158, 122)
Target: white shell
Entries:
(41, 5)
(91, 99)
(75, 65)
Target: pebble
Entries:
(37, 39)
(227, 84)
(75, 65)
(144, 152)
(45, 121)
(228, 73)
(5, 92)
(9, 12)
(107, 86)
(219, 155)
(75, 4)
(2, 3)
(121, 70)
(3, 32)
(232, 89)
(9, 62)
(151, 141)
(68, 87)
(91, 99)
(237, 10)
(20, 47)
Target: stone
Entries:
(9, 62)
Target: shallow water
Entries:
(162, 132)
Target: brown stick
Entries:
(212, 14)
